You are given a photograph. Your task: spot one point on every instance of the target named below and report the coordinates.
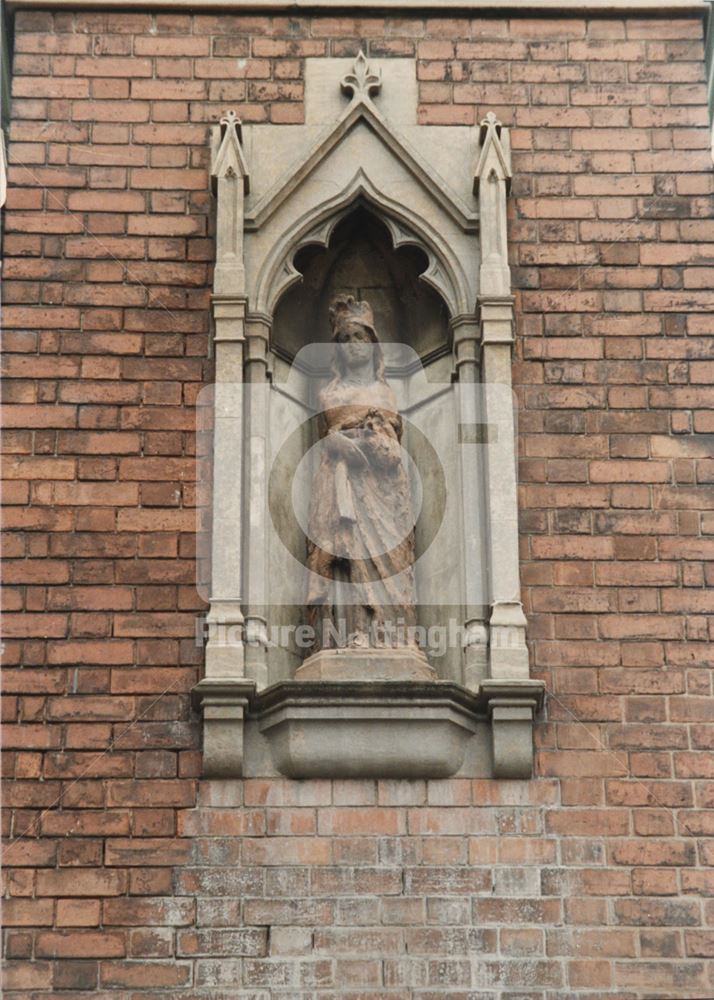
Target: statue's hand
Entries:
(380, 441)
(341, 448)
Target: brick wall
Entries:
(128, 877)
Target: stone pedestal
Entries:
(367, 729)
(402, 664)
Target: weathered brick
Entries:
(79, 944)
(88, 882)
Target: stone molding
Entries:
(563, 8)
(363, 729)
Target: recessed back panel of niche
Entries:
(361, 261)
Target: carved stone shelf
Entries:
(370, 729)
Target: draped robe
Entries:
(361, 527)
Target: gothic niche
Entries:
(363, 329)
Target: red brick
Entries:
(288, 850)
(362, 820)
(147, 852)
(143, 793)
(581, 764)
(575, 823)
(651, 852)
(88, 882)
(78, 913)
(79, 944)
(34, 975)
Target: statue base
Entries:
(367, 729)
(368, 664)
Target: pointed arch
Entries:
(444, 271)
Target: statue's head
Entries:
(353, 330)
(346, 313)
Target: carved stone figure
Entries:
(361, 555)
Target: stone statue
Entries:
(361, 526)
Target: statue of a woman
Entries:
(361, 528)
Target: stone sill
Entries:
(367, 729)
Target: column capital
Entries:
(464, 325)
(228, 318)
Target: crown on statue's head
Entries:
(345, 309)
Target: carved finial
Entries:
(231, 120)
(490, 122)
(362, 81)
(227, 156)
(494, 160)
